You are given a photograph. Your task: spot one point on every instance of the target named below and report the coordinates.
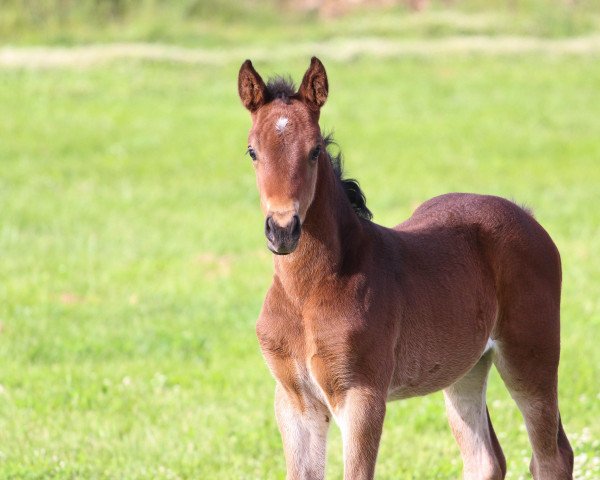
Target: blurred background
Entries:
(226, 23)
(132, 259)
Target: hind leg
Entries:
(530, 374)
(470, 423)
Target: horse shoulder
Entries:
(281, 337)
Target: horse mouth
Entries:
(282, 249)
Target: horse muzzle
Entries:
(282, 240)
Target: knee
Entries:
(487, 470)
(497, 472)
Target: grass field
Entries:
(133, 265)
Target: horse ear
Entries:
(251, 88)
(314, 86)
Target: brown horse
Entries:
(359, 314)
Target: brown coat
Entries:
(359, 314)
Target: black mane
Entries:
(283, 88)
(351, 187)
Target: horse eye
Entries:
(316, 152)
(252, 153)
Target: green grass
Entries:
(133, 266)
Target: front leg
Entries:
(303, 423)
(361, 418)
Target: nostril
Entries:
(269, 226)
(296, 226)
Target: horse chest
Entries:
(307, 361)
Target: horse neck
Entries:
(329, 230)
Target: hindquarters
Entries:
(519, 258)
(527, 270)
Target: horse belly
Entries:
(433, 376)
(434, 354)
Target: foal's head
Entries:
(285, 145)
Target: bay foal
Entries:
(359, 314)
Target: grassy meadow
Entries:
(133, 264)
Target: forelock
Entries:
(281, 88)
